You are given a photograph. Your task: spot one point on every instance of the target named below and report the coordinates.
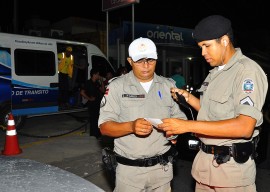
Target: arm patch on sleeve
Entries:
(247, 101)
(248, 86)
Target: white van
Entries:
(29, 75)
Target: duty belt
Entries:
(239, 151)
(214, 149)
(151, 161)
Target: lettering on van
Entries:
(30, 92)
(32, 42)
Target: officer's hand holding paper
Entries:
(174, 126)
(141, 127)
(156, 122)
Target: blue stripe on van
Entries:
(26, 85)
(32, 111)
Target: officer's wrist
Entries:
(132, 125)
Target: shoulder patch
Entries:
(248, 86)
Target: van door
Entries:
(34, 83)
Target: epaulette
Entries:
(168, 78)
(171, 80)
(112, 79)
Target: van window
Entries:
(102, 64)
(34, 63)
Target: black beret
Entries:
(211, 27)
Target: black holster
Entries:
(242, 151)
(109, 160)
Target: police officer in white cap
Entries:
(229, 112)
(143, 153)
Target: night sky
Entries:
(245, 14)
(249, 18)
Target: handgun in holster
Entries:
(109, 160)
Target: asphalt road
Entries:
(63, 141)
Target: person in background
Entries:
(65, 68)
(144, 155)
(122, 70)
(79, 78)
(79, 71)
(108, 77)
(93, 91)
(229, 112)
(178, 77)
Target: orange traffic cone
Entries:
(11, 144)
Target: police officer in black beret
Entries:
(229, 111)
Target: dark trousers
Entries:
(93, 110)
(63, 88)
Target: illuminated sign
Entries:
(160, 34)
(113, 4)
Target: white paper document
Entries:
(154, 121)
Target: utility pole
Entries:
(108, 5)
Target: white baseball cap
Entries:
(142, 48)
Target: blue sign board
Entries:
(160, 34)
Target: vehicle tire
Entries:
(4, 114)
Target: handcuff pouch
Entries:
(242, 151)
